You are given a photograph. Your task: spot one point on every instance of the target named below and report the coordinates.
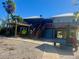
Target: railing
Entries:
(40, 30)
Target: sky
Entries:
(46, 8)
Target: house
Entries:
(59, 28)
(37, 25)
(65, 27)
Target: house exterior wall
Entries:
(63, 19)
(69, 23)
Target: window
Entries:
(72, 33)
(59, 34)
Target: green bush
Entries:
(24, 32)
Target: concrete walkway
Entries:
(32, 41)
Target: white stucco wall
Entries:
(67, 19)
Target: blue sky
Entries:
(47, 8)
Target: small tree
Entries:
(20, 19)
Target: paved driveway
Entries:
(18, 48)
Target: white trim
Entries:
(64, 15)
(33, 17)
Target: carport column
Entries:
(15, 27)
(68, 32)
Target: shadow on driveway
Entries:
(51, 49)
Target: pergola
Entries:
(16, 24)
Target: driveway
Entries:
(18, 48)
